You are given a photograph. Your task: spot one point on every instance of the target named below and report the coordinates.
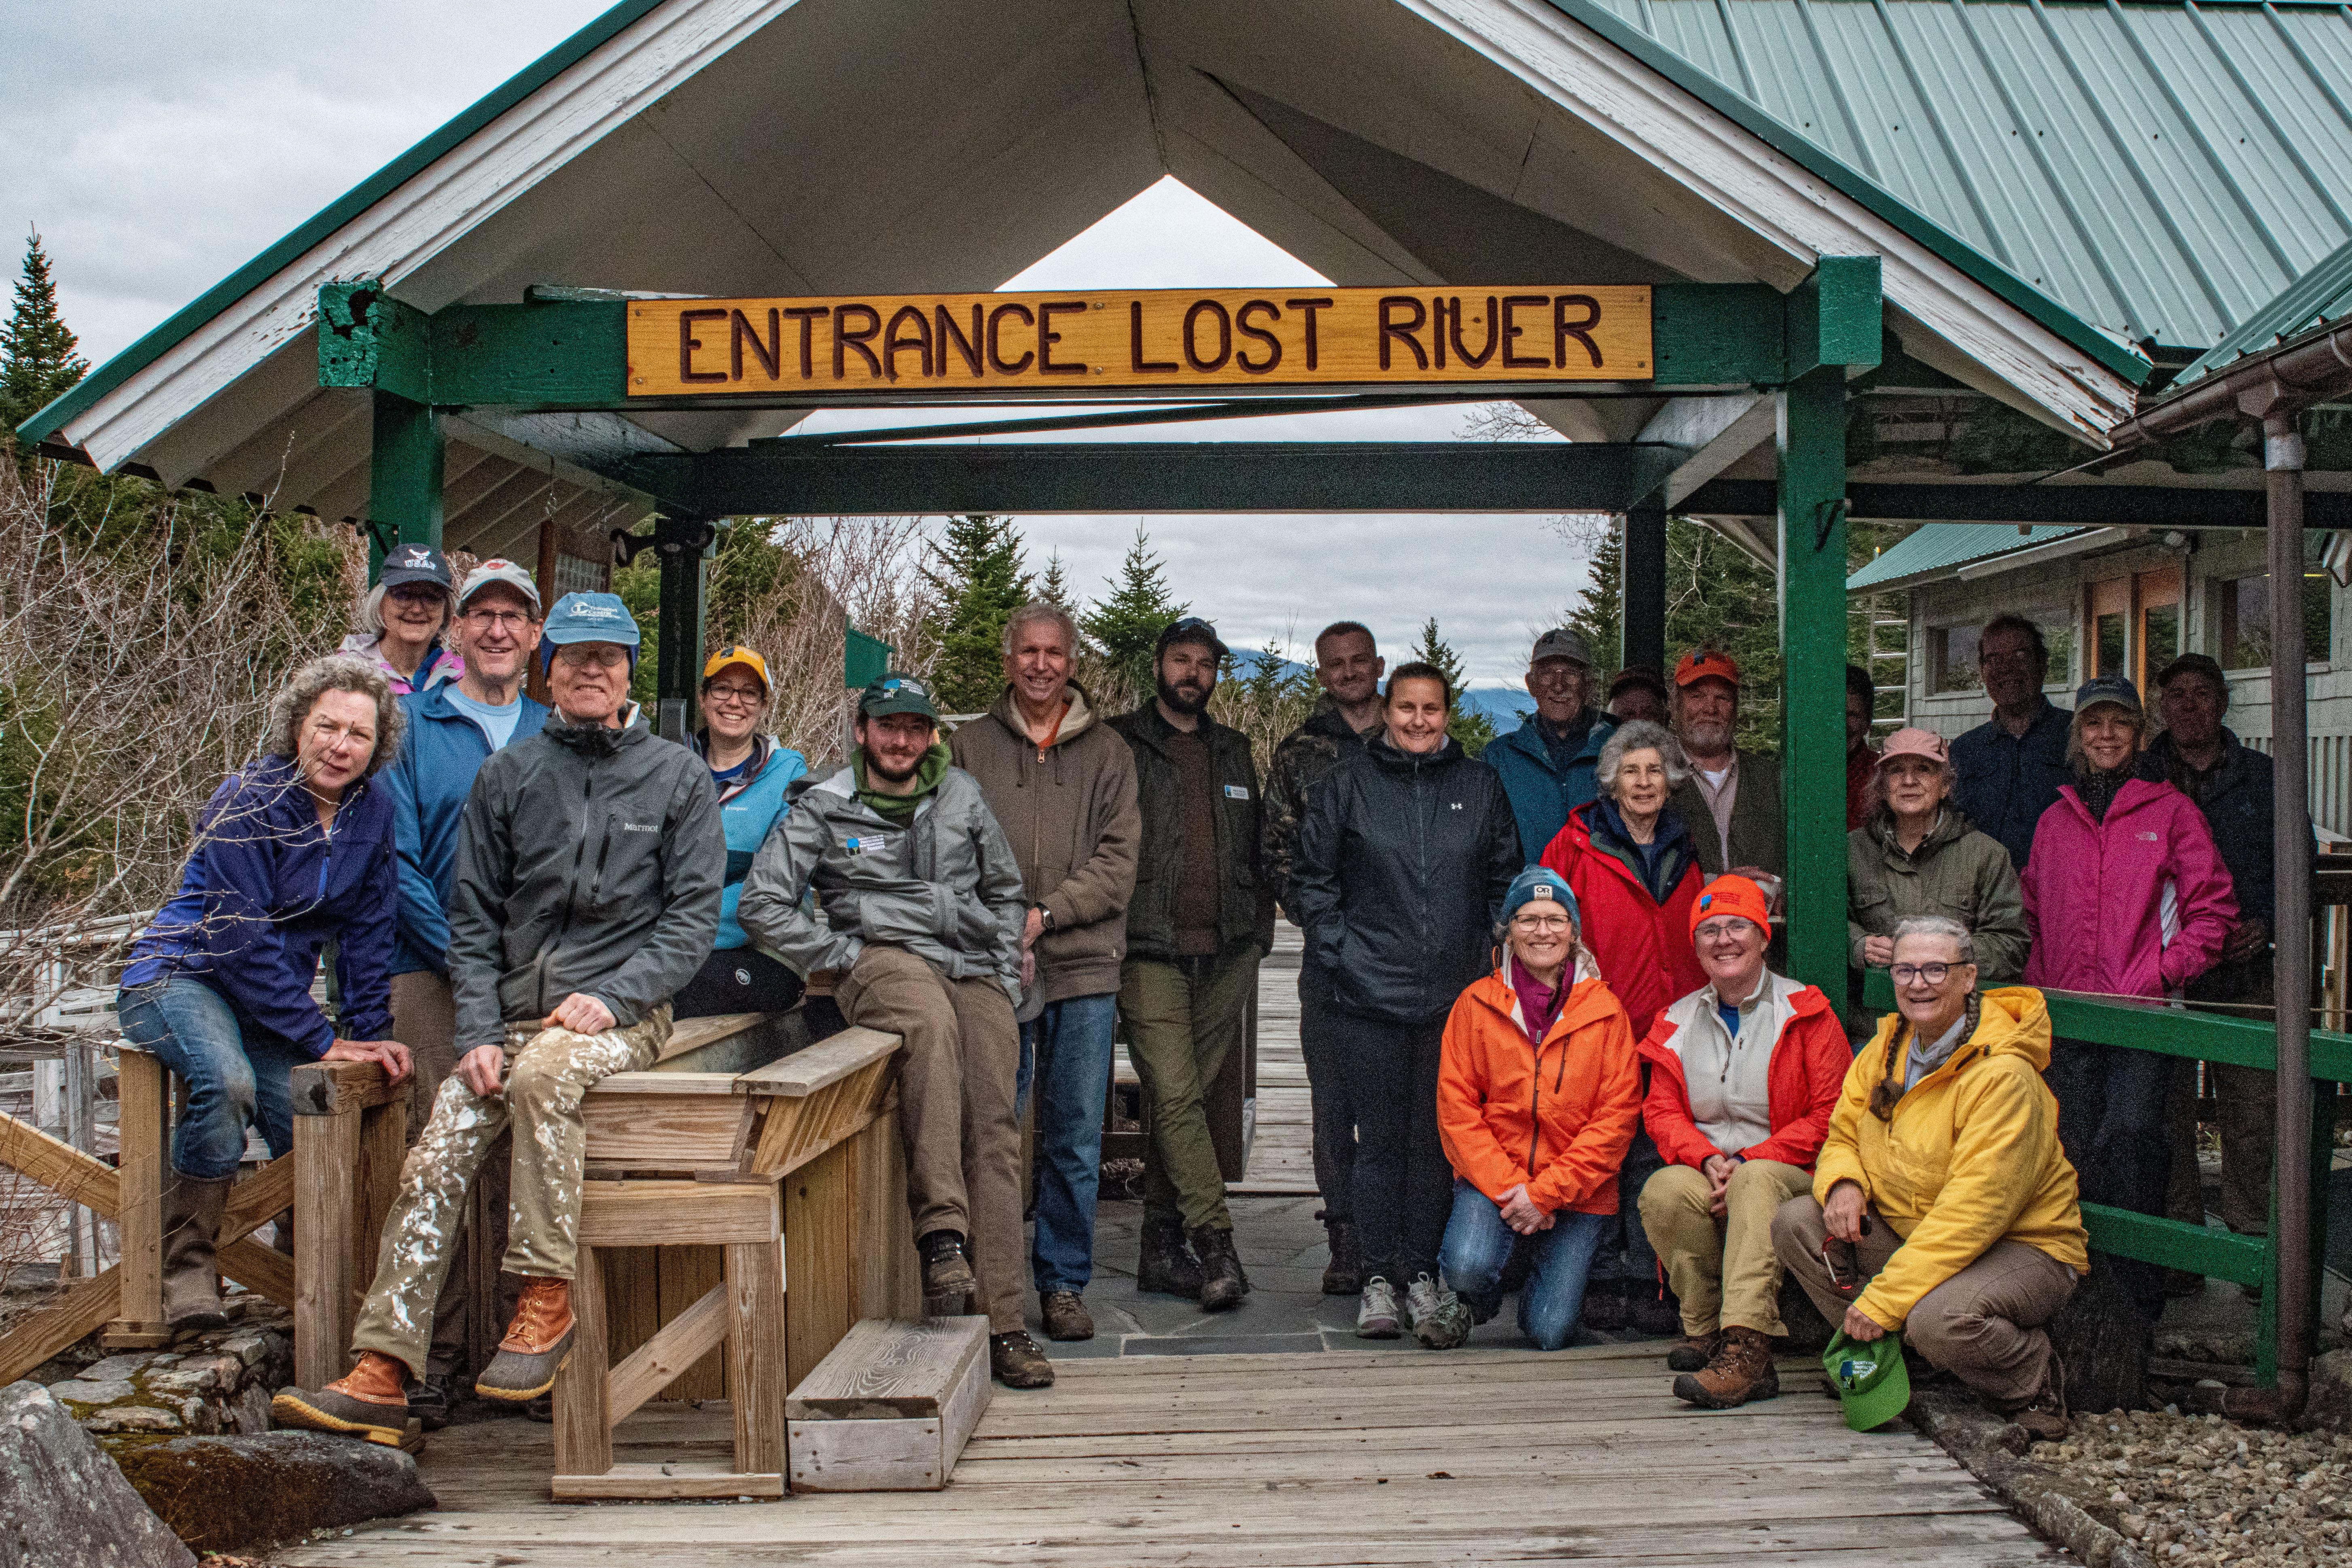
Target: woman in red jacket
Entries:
(1538, 1095)
(1744, 1073)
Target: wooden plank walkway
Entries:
(1378, 1458)
(1282, 1153)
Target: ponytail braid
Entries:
(1888, 1090)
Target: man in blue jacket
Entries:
(453, 727)
(1547, 763)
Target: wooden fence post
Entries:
(145, 1167)
(346, 1162)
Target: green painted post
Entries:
(404, 477)
(1813, 642)
(1642, 632)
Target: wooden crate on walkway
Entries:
(890, 1409)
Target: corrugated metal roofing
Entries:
(1939, 546)
(2164, 170)
(2320, 296)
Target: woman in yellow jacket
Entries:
(1943, 1181)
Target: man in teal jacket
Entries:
(1547, 763)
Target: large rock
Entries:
(221, 1493)
(63, 1503)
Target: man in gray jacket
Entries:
(919, 909)
(589, 865)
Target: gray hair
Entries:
(283, 735)
(1878, 781)
(1944, 926)
(1641, 735)
(372, 610)
(1040, 610)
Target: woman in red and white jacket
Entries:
(1744, 1073)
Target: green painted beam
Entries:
(404, 471)
(1718, 335)
(1835, 317)
(1173, 477)
(2055, 505)
(2176, 1244)
(369, 340)
(539, 355)
(1813, 642)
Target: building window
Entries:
(2246, 620)
(1953, 657)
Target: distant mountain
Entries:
(1505, 705)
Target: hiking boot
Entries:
(538, 1344)
(2043, 1416)
(1015, 1361)
(1440, 1320)
(1222, 1283)
(1653, 1313)
(1344, 1275)
(191, 1222)
(1693, 1352)
(1376, 1314)
(1166, 1266)
(429, 1399)
(948, 1279)
(370, 1401)
(1741, 1370)
(1604, 1304)
(1066, 1315)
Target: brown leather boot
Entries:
(1692, 1353)
(370, 1401)
(537, 1344)
(1742, 1370)
(2043, 1416)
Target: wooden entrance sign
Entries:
(1212, 339)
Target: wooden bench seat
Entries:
(889, 1408)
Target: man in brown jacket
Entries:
(1063, 788)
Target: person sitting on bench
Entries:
(589, 869)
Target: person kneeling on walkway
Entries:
(589, 867)
(919, 910)
(1942, 1207)
(1744, 1073)
(1538, 1097)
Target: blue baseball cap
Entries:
(1539, 882)
(588, 618)
(2115, 688)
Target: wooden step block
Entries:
(889, 1409)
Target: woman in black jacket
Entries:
(1405, 855)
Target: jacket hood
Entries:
(1390, 756)
(1078, 717)
(1529, 737)
(1589, 999)
(1795, 998)
(2012, 1020)
(595, 739)
(1950, 827)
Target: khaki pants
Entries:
(957, 1119)
(424, 1019)
(548, 1072)
(1181, 1018)
(1983, 1325)
(1722, 1269)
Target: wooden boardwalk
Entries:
(1282, 1153)
(1389, 1456)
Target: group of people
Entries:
(1544, 1039)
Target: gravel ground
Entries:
(2198, 1489)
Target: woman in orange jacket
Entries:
(1538, 1097)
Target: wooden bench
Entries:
(890, 1409)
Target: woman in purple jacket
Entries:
(2125, 896)
(294, 848)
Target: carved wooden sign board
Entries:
(1161, 339)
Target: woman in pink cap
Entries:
(1915, 854)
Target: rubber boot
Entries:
(1166, 1265)
(1222, 1283)
(537, 1346)
(370, 1401)
(1344, 1275)
(192, 1221)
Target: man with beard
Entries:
(1202, 917)
(1732, 799)
(919, 909)
(1349, 665)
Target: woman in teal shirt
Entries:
(753, 774)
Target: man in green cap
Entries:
(919, 910)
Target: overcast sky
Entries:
(159, 145)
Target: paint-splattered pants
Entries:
(548, 1072)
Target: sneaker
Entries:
(1440, 1320)
(1693, 1352)
(1066, 1315)
(537, 1346)
(370, 1401)
(1376, 1314)
(1742, 1371)
(1015, 1361)
(948, 1279)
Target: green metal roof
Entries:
(2320, 296)
(1941, 546)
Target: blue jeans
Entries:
(1067, 1050)
(1478, 1247)
(232, 1081)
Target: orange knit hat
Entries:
(1732, 896)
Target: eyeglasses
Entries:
(1546, 924)
(603, 655)
(1725, 929)
(504, 620)
(1933, 974)
(746, 696)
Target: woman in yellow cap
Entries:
(751, 773)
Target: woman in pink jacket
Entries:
(2125, 896)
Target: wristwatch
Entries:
(1044, 917)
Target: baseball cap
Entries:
(588, 618)
(1912, 742)
(1639, 675)
(2193, 664)
(1537, 883)
(897, 692)
(2115, 688)
(499, 569)
(1561, 642)
(1188, 629)
(734, 658)
(1705, 664)
(1732, 896)
(1871, 1379)
(416, 564)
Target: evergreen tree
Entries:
(1599, 612)
(37, 362)
(981, 583)
(1474, 730)
(1055, 586)
(1127, 622)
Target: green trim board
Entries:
(2176, 1243)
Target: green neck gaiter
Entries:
(900, 808)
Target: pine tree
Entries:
(1055, 586)
(1599, 612)
(1474, 730)
(37, 362)
(981, 583)
(1128, 621)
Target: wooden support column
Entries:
(1642, 629)
(583, 1427)
(145, 1169)
(1812, 641)
(348, 1132)
(684, 546)
(404, 469)
(2299, 1190)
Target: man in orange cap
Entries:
(1739, 792)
